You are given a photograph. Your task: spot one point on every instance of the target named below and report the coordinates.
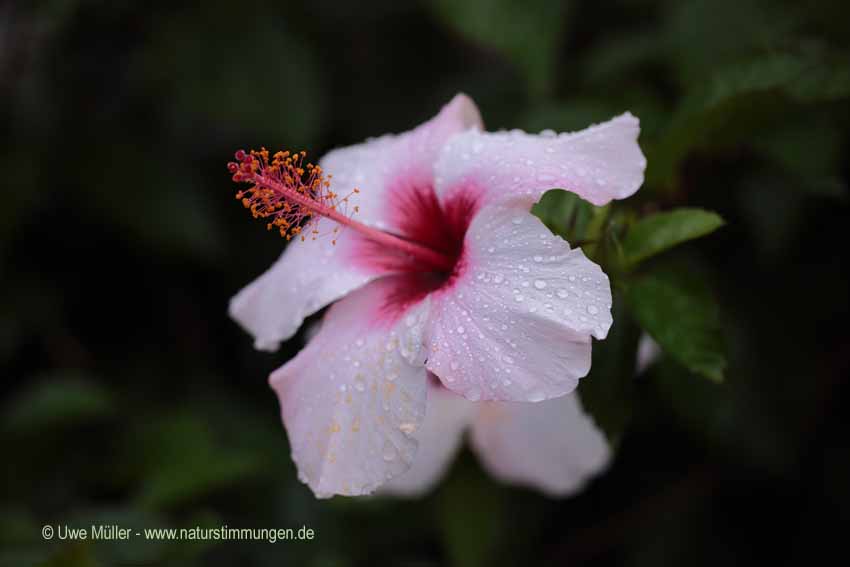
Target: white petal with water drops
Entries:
(352, 401)
(522, 342)
(600, 163)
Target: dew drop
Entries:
(592, 309)
(562, 293)
(536, 396)
(389, 451)
(539, 284)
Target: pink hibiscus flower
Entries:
(445, 270)
(552, 446)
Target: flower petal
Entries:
(308, 276)
(311, 274)
(647, 353)
(352, 400)
(553, 446)
(376, 166)
(440, 437)
(600, 163)
(516, 323)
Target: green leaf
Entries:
(676, 308)
(527, 33)
(662, 231)
(57, 400)
(565, 214)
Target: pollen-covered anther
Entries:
(291, 194)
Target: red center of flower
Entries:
(424, 250)
(419, 216)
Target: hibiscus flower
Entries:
(445, 271)
(551, 446)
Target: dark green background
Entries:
(130, 397)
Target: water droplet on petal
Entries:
(536, 396)
(539, 284)
(592, 309)
(389, 451)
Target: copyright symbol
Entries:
(47, 532)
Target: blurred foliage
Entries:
(526, 34)
(56, 401)
(130, 398)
